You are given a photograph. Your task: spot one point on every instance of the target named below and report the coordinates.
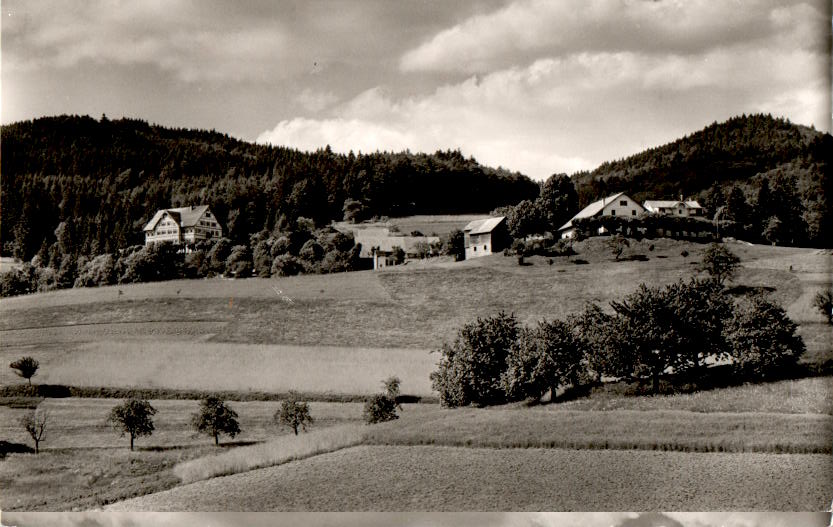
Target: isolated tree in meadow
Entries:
(720, 263)
(823, 301)
(26, 367)
(542, 359)
(617, 244)
(294, 414)
(35, 425)
(398, 255)
(454, 244)
(383, 406)
(133, 417)
(762, 338)
(215, 417)
(469, 369)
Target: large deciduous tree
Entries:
(294, 414)
(470, 368)
(215, 417)
(133, 417)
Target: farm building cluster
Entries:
(381, 248)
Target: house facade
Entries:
(616, 205)
(679, 208)
(182, 226)
(487, 236)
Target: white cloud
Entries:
(534, 28)
(175, 36)
(563, 114)
(315, 101)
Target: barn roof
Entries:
(591, 210)
(483, 226)
(184, 216)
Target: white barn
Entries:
(616, 205)
(486, 236)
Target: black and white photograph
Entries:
(416, 263)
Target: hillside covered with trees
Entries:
(90, 185)
(769, 176)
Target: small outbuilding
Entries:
(681, 208)
(486, 236)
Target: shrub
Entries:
(239, 262)
(469, 370)
(99, 271)
(286, 265)
(762, 338)
(823, 301)
(597, 334)
(380, 408)
(311, 251)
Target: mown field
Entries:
(343, 334)
(450, 479)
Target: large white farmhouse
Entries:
(616, 205)
(183, 225)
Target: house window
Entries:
(475, 248)
(485, 247)
(623, 203)
(613, 212)
(633, 212)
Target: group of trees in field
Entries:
(214, 418)
(681, 327)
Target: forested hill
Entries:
(102, 179)
(722, 154)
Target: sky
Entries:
(537, 86)
(543, 519)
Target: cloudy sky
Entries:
(572, 519)
(539, 86)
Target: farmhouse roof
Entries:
(483, 226)
(184, 216)
(591, 210)
(670, 203)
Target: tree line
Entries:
(90, 185)
(679, 328)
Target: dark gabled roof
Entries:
(183, 216)
(483, 226)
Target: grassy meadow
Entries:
(439, 478)
(342, 334)
(84, 464)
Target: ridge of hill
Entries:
(741, 151)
